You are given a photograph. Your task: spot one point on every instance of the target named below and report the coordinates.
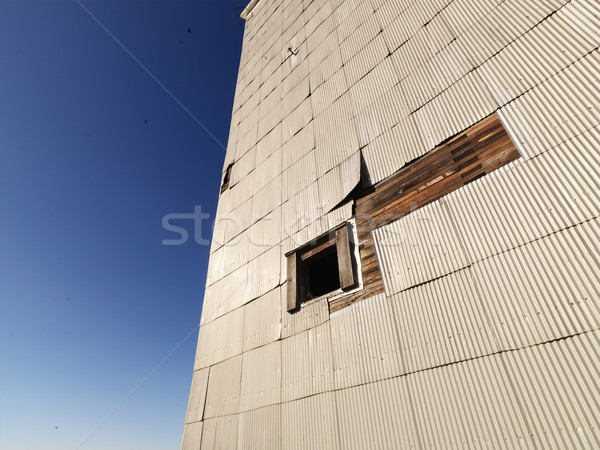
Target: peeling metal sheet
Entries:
(365, 343)
(223, 396)
(310, 423)
(261, 377)
(418, 248)
(197, 396)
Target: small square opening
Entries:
(321, 273)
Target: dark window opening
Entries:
(322, 273)
(226, 178)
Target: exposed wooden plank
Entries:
(345, 260)
(293, 282)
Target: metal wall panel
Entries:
(192, 436)
(223, 396)
(468, 405)
(544, 290)
(365, 343)
(214, 344)
(197, 396)
(557, 110)
(377, 415)
(307, 363)
(309, 316)
(526, 200)
(418, 248)
(260, 429)
(261, 377)
(262, 321)
(220, 433)
(310, 423)
(443, 322)
(558, 388)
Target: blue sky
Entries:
(93, 154)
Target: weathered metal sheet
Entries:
(310, 423)
(418, 248)
(192, 436)
(214, 345)
(557, 110)
(543, 290)
(307, 364)
(223, 396)
(263, 274)
(260, 428)
(224, 296)
(309, 316)
(261, 377)
(558, 389)
(220, 433)
(197, 396)
(365, 343)
(468, 405)
(377, 415)
(526, 200)
(381, 79)
(443, 322)
(335, 150)
(262, 321)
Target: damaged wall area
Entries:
(460, 138)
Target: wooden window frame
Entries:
(297, 280)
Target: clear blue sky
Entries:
(93, 154)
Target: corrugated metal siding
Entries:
(192, 436)
(544, 290)
(470, 348)
(307, 363)
(260, 429)
(418, 248)
(261, 377)
(468, 405)
(377, 415)
(558, 388)
(197, 396)
(214, 345)
(262, 321)
(365, 343)
(310, 423)
(223, 396)
(443, 322)
(220, 433)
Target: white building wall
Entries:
(491, 340)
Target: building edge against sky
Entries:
(406, 246)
